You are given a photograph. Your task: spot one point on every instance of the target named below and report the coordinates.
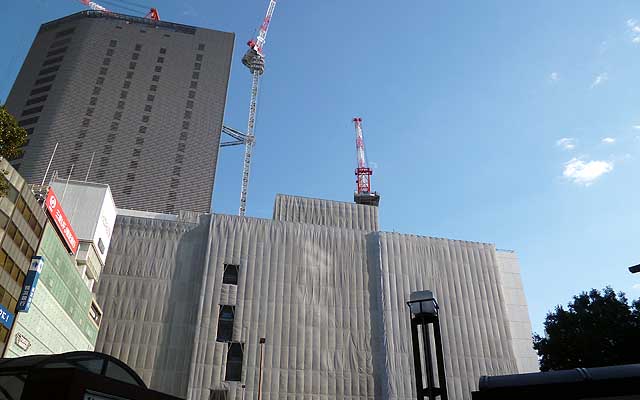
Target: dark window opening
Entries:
(181, 147)
(86, 122)
(172, 196)
(107, 149)
(133, 164)
(160, 60)
(179, 158)
(40, 90)
(106, 61)
(48, 70)
(132, 65)
(234, 363)
(189, 104)
(192, 94)
(52, 61)
(93, 101)
(153, 88)
(100, 80)
(129, 75)
(225, 324)
(89, 111)
(114, 126)
(82, 134)
(218, 394)
(150, 97)
(198, 57)
(197, 66)
(33, 110)
(230, 274)
(131, 177)
(174, 183)
(73, 159)
(185, 124)
(195, 75)
(59, 43)
(193, 85)
(29, 132)
(96, 90)
(145, 118)
(126, 84)
(56, 52)
(101, 246)
(155, 78)
(176, 170)
(113, 43)
(36, 100)
(163, 50)
(184, 135)
(110, 52)
(103, 71)
(187, 114)
(139, 140)
(111, 138)
(123, 94)
(135, 56)
(117, 115)
(158, 68)
(120, 105)
(138, 47)
(147, 108)
(201, 47)
(142, 129)
(45, 80)
(28, 121)
(65, 32)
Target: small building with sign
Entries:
(50, 307)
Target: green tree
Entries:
(596, 329)
(12, 138)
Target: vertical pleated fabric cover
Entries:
(330, 301)
(325, 212)
(149, 295)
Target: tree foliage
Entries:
(12, 138)
(596, 329)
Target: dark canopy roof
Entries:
(94, 362)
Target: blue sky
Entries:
(515, 124)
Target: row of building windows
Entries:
(9, 302)
(226, 317)
(11, 268)
(29, 217)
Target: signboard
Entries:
(61, 221)
(6, 318)
(22, 341)
(30, 283)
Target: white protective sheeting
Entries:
(325, 212)
(330, 301)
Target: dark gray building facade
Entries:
(133, 103)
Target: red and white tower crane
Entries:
(254, 60)
(363, 194)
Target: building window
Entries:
(113, 43)
(145, 118)
(129, 75)
(135, 56)
(47, 79)
(127, 84)
(234, 363)
(127, 189)
(101, 246)
(185, 124)
(192, 94)
(49, 70)
(132, 65)
(100, 80)
(111, 138)
(93, 101)
(96, 90)
(184, 135)
(33, 110)
(160, 60)
(158, 68)
(139, 140)
(52, 61)
(78, 146)
(110, 52)
(29, 132)
(187, 114)
(155, 78)
(138, 47)
(163, 50)
(114, 126)
(117, 115)
(66, 32)
(120, 105)
(198, 57)
(133, 164)
(82, 134)
(176, 170)
(197, 66)
(201, 47)
(36, 100)
(86, 122)
(142, 129)
(95, 314)
(28, 121)
(123, 94)
(136, 153)
(103, 70)
(106, 61)
(225, 324)
(153, 88)
(195, 75)
(150, 97)
(147, 108)
(230, 276)
(59, 43)
(193, 85)
(131, 177)
(56, 52)
(40, 90)
(89, 111)
(189, 104)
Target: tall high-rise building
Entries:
(131, 102)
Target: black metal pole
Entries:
(440, 360)
(416, 359)
(426, 345)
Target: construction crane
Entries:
(152, 14)
(363, 193)
(254, 60)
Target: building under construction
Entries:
(187, 298)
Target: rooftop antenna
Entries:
(44, 178)
(86, 178)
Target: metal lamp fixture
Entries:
(424, 318)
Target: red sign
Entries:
(62, 223)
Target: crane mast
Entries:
(363, 194)
(254, 60)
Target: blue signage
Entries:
(30, 283)
(6, 318)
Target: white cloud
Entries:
(566, 143)
(585, 173)
(600, 79)
(636, 286)
(634, 27)
(636, 127)
(554, 76)
(608, 140)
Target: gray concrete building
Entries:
(187, 297)
(140, 101)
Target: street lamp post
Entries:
(424, 314)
